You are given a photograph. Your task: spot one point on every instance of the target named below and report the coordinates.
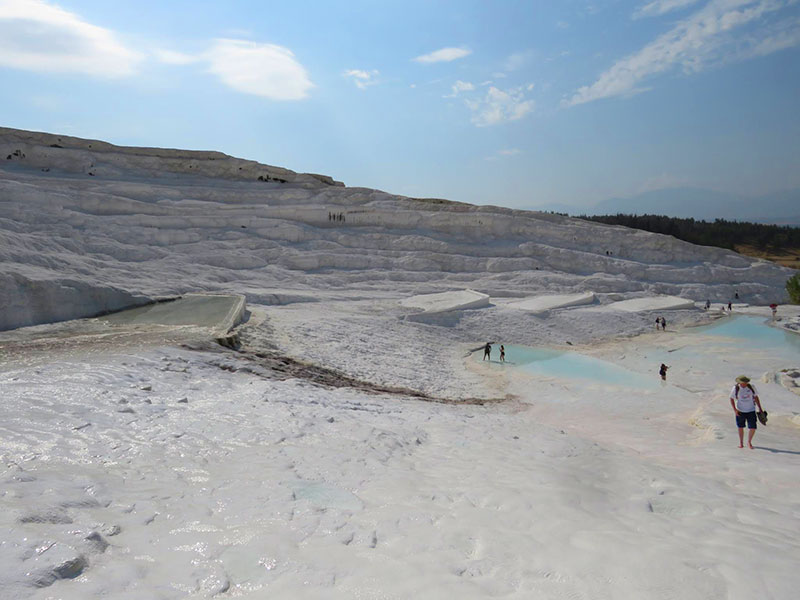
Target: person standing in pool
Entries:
(487, 351)
(663, 372)
(744, 399)
(502, 353)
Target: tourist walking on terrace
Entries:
(744, 399)
(663, 372)
(487, 351)
(502, 353)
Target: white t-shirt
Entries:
(744, 401)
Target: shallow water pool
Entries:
(755, 332)
(572, 365)
(731, 334)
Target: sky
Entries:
(506, 102)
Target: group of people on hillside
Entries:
(722, 307)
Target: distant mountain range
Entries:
(779, 208)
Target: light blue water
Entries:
(754, 332)
(571, 365)
(742, 332)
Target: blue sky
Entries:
(506, 102)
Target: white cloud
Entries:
(171, 57)
(518, 60)
(503, 153)
(38, 36)
(661, 7)
(460, 86)
(499, 106)
(706, 38)
(443, 55)
(362, 79)
(785, 34)
(47, 102)
(260, 69)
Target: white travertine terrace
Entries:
(87, 227)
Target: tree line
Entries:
(721, 232)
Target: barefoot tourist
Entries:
(744, 399)
(487, 351)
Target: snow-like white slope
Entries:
(87, 227)
(139, 462)
(447, 301)
(654, 303)
(161, 472)
(547, 302)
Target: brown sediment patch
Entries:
(274, 365)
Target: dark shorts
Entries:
(749, 418)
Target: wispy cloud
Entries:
(499, 106)
(443, 55)
(709, 37)
(460, 86)
(170, 57)
(362, 79)
(782, 35)
(661, 7)
(48, 103)
(504, 153)
(518, 60)
(264, 70)
(38, 36)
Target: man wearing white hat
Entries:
(744, 399)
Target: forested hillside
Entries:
(774, 242)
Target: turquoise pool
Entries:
(571, 365)
(730, 334)
(755, 331)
